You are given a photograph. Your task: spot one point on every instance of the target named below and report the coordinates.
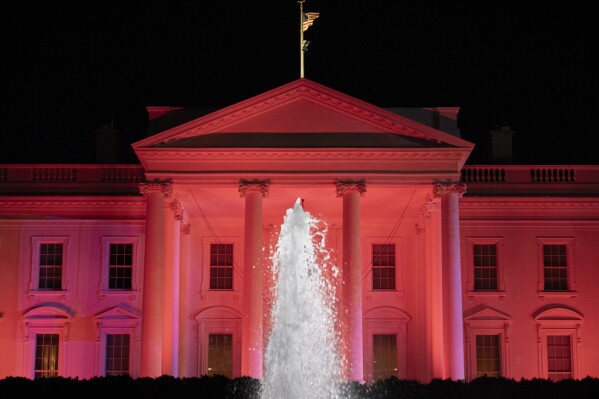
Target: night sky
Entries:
(70, 67)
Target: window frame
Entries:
(117, 320)
(46, 320)
(237, 248)
(559, 321)
(385, 320)
(36, 243)
(470, 284)
(399, 265)
(487, 321)
(219, 320)
(569, 242)
(135, 266)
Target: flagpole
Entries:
(301, 42)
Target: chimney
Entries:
(501, 151)
(107, 143)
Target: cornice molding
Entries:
(202, 155)
(71, 204)
(529, 205)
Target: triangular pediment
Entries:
(302, 114)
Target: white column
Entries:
(352, 278)
(252, 323)
(452, 275)
(153, 284)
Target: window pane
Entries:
(220, 354)
(384, 355)
(120, 270)
(485, 267)
(117, 354)
(50, 266)
(221, 266)
(488, 361)
(559, 357)
(383, 266)
(46, 356)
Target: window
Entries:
(119, 266)
(559, 338)
(120, 269)
(488, 359)
(383, 266)
(384, 356)
(117, 354)
(219, 341)
(220, 354)
(556, 266)
(485, 273)
(50, 266)
(486, 343)
(118, 345)
(559, 357)
(221, 266)
(45, 341)
(385, 332)
(485, 267)
(46, 356)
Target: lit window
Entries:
(220, 354)
(559, 357)
(383, 266)
(488, 362)
(555, 267)
(50, 266)
(221, 266)
(46, 355)
(120, 266)
(117, 354)
(485, 267)
(384, 356)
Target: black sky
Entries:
(69, 67)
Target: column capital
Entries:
(448, 188)
(344, 186)
(254, 185)
(165, 188)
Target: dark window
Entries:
(120, 267)
(117, 354)
(220, 354)
(221, 266)
(555, 267)
(50, 266)
(384, 355)
(559, 357)
(383, 266)
(485, 267)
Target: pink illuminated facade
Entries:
(447, 270)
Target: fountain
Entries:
(302, 360)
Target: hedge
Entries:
(217, 387)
